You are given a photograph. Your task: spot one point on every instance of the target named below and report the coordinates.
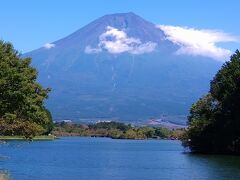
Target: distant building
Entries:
(66, 121)
(105, 121)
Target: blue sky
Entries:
(29, 24)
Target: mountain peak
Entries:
(124, 20)
(127, 16)
(133, 25)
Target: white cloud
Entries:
(198, 42)
(144, 48)
(117, 41)
(90, 50)
(49, 45)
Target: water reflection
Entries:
(214, 166)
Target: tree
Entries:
(21, 97)
(214, 121)
(200, 132)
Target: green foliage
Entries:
(214, 121)
(110, 125)
(165, 133)
(21, 97)
(20, 128)
(68, 128)
(115, 134)
(114, 130)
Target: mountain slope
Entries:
(120, 66)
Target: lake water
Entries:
(106, 159)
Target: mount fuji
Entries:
(121, 67)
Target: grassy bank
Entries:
(22, 138)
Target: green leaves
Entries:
(21, 97)
(20, 127)
(214, 121)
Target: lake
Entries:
(106, 159)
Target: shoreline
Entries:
(53, 137)
(96, 136)
(22, 138)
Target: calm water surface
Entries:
(103, 158)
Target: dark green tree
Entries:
(214, 121)
(21, 97)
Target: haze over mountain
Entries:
(122, 67)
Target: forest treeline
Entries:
(115, 130)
